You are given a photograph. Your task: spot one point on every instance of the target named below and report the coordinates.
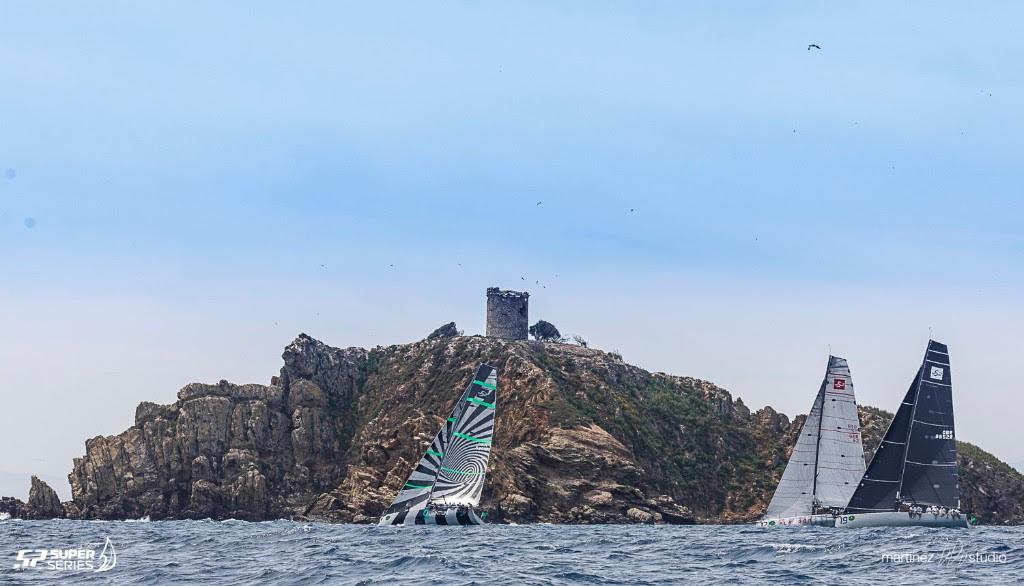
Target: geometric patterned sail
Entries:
(840, 451)
(461, 445)
(460, 476)
(828, 459)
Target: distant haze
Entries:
(192, 185)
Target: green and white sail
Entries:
(452, 470)
(828, 458)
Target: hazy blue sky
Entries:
(185, 187)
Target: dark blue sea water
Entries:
(283, 552)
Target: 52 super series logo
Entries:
(67, 559)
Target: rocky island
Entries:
(581, 437)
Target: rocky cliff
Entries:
(224, 450)
(581, 437)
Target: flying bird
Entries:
(539, 202)
(813, 46)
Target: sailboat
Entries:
(913, 477)
(828, 459)
(446, 484)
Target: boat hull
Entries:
(899, 519)
(801, 521)
(452, 516)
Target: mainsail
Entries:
(916, 461)
(452, 469)
(828, 458)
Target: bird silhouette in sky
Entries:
(539, 202)
(813, 46)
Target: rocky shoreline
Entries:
(582, 437)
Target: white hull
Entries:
(801, 521)
(899, 519)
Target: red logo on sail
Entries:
(839, 384)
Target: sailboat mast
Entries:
(817, 442)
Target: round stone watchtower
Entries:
(507, 314)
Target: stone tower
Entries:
(507, 314)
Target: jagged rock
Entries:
(225, 450)
(545, 331)
(516, 505)
(639, 515)
(12, 507)
(43, 502)
(249, 498)
(448, 330)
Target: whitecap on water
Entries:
(794, 547)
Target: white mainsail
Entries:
(828, 459)
(795, 494)
(840, 451)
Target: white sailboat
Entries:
(828, 459)
(913, 478)
(446, 484)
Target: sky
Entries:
(186, 187)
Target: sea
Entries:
(285, 552)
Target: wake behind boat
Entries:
(828, 459)
(913, 477)
(446, 484)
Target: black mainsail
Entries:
(916, 461)
(451, 471)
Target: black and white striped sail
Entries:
(828, 458)
(916, 461)
(451, 471)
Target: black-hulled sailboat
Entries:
(446, 484)
(913, 477)
(827, 460)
